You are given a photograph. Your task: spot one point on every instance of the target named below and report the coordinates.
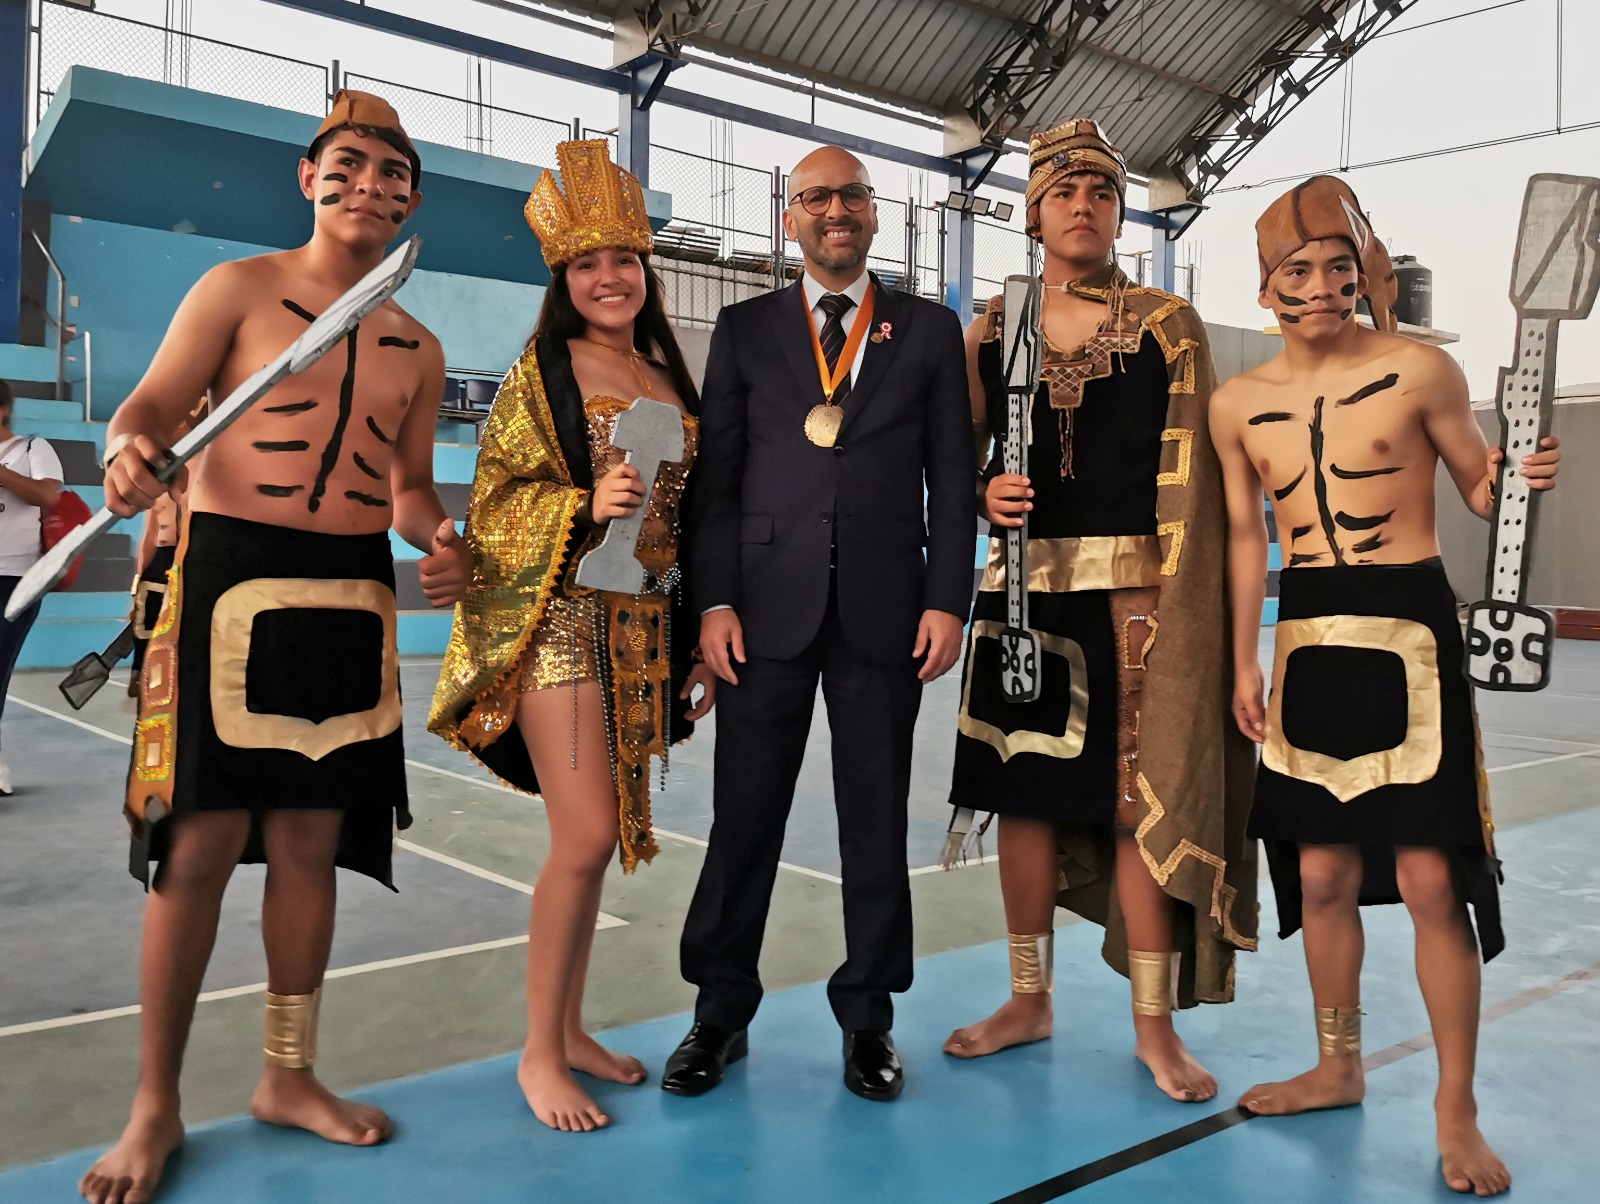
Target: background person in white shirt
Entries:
(30, 482)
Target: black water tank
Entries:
(1415, 302)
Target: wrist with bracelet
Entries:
(113, 449)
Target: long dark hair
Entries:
(652, 333)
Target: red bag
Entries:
(55, 523)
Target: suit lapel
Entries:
(791, 320)
(886, 308)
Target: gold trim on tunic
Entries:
(141, 600)
(1070, 563)
(1064, 745)
(232, 621)
(1414, 759)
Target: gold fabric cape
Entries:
(520, 522)
(1196, 770)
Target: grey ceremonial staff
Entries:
(333, 324)
(1020, 676)
(1554, 277)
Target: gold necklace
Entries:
(633, 358)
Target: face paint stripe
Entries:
(1348, 290)
(333, 198)
(337, 177)
(1288, 300)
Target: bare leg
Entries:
(1330, 883)
(180, 926)
(584, 1053)
(582, 808)
(1147, 912)
(1448, 972)
(297, 930)
(1028, 877)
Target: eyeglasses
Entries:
(817, 201)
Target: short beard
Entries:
(840, 259)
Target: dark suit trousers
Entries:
(762, 724)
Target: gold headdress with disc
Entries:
(1073, 146)
(596, 205)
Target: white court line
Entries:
(605, 921)
(390, 963)
(1593, 752)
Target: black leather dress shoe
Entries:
(696, 1066)
(871, 1065)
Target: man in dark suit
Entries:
(828, 409)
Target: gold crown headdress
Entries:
(1072, 147)
(597, 205)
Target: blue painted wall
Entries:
(128, 280)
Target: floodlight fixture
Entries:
(1003, 211)
(958, 200)
(980, 206)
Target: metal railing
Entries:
(58, 322)
(70, 36)
(724, 241)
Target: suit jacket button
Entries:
(838, 451)
(826, 517)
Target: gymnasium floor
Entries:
(423, 1012)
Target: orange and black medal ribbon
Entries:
(823, 422)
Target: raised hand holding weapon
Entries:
(1554, 277)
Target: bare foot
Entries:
(1465, 1159)
(1020, 1020)
(1158, 1046)
(587, 1055)
(1331, 1083)
(556, 1099)
(296, 1100)
(128, 1172)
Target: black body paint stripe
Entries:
(279, 490)
(286, 445)
(1296, 559)
(1320, 484)
(373, 427)
(330, 453)
(365, 467)
(1299, 531)
(1270, 416)
(366, 499)
(1370, 544)
(293, 407)
(1361, 474)
(299, 310)
(390, 340)
(1280, 494)
(1366, 523)
(1366, 391)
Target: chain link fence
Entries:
(469, 125)
(71, 36)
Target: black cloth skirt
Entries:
(1054, 758)
(288, 694)
(1371, 737)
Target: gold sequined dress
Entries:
(524, 625)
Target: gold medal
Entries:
(822, 424)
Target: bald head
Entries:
(830, 166)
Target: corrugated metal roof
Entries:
(1147, 69)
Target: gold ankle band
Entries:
(1153, 979)
(1033, 958)
(291, 1030)
(1339, 1032)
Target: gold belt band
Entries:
(1153, 977)
(1339, 1032)
(1033, 958)
(291, 1030)
(1060, 566)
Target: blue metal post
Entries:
(959, 227)
(13, 123)
(1163, 261)
(646, 75)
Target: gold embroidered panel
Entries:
(231, 623)
(1063, 745)
(1061, 566)
(1414, 759)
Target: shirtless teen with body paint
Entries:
(269, 713)
(1370, 788)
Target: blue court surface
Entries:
(1075, 1115)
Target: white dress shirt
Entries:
(857, 292)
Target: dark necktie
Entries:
(832, 338)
